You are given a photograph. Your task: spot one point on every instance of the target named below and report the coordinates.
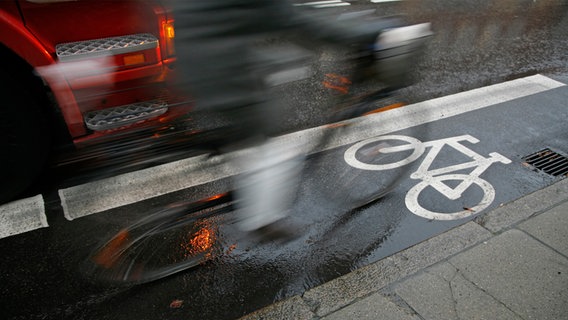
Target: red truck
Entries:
(112, 59)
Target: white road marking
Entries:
(411, 199)
(435, 177)
(98, 196)
(22, 216)
(324, 4)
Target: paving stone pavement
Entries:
(511, 263)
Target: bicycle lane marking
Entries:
(435, 177)
(411, 199)
(22, 216)
(102, 195)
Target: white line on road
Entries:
(22, 216)
(324, 4)
(86, 199)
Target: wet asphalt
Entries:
(476, 43)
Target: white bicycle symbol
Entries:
(436, 177)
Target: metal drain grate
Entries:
(548, 161)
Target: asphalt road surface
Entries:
(491, 130)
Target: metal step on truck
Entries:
(77, 72)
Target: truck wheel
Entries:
(24, 135)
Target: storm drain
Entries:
(549, 161)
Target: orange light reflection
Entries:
(108, 255)
(386, 108)
(201, 241)
(336, 82)
(215, 197)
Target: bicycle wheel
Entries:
(378, 153)
(166, 242)
(487, 197)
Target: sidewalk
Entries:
(511, 263)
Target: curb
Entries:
(353, 287)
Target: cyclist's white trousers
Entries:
(267, 188)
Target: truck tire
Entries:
(24, 134)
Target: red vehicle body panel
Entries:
(33, 29)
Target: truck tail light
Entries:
(169, 36)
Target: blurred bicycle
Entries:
(185, 234)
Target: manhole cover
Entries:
(549, 161)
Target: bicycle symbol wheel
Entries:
(414, 206)
(409, 143)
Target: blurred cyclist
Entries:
(216, 45)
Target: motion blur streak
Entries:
(109, 255)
